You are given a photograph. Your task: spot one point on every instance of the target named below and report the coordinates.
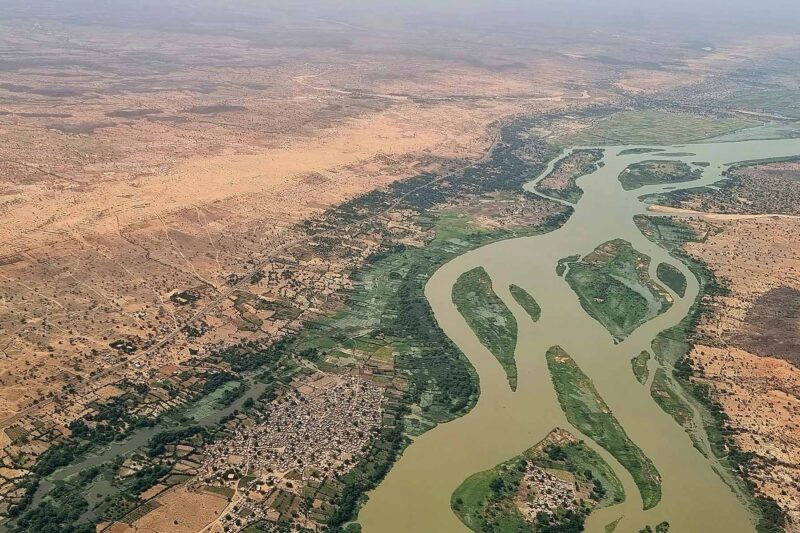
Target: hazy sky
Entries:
(781, 15)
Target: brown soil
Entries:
(772, 326)
(182, 511)
(747, 348)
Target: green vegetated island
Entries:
(587, 411)
(615, 288)
(560, 182)
(655, 171)
(664, 392)
(634, 151)
(551, 487)
(672, 278)
(488, 317)
(639, 366)
(526, 301)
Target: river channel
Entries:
(415, 496)
(205, 412)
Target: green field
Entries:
(526, 301)
(488, 317)
(672, 278)
(639, 366)
(653, 127)
(779, 100)
(614, 287)
(587, 411)
(485, 501)
(657, 171)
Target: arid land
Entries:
(747, 341)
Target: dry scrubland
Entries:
(152, 180)
(748, 347)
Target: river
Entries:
(415, 496)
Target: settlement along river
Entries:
(415, 496)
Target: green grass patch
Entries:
(587, 411)
(488, 317)
(779, 100)
(614, 287)
(656, 171)
(526, 301)
(610, 528)
(639, 366)
(654, 127)
(672, 278)
(632, 151)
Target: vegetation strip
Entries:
(587, 411)
(672, 278)
(526, 301)
(639, 366)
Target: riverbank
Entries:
(502, 423)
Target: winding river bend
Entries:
(415, 496)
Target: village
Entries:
(309, 437)
(544, 493)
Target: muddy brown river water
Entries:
(415, 496)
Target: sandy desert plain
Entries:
(216, 233)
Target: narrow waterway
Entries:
(205, 412)
(415, 496)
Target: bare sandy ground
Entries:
(180, 511)
(716, 216)
(760, 393)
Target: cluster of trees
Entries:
(563, 521)
(157, 444)
(439, 361)
(216, 380)
(58, 514)
(147, 477)
(231, 395)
